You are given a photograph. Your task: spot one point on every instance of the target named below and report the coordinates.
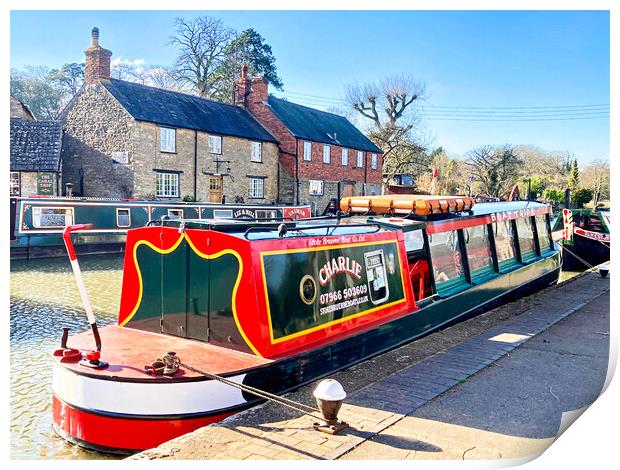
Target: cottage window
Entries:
(327, 157)
(167, 185)
(360, 159)
(215, 144)
(123, 217)
(315, 187)
(167, 139)
(345, 157)
(307, 151)
(257, 188)
(257, 152)
(373, 161)
(14, 183)
(44, 217)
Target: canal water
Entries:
(43, 299)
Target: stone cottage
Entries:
(35, 154)
(322, 154)
(125, 139)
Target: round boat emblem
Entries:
(307, 289)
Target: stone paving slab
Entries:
(386, 402)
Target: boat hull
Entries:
(593, 252)
(113, 415)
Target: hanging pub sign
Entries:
(317, 287)
(45, 184)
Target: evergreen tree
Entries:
(573, 181)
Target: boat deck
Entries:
(127, 351)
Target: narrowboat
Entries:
(585, 237)
(275, 305)
(37, 222)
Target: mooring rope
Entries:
(580, 258)
(170, 363)
(305, 409)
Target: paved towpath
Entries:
(494, 386)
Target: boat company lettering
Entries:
(339, 265)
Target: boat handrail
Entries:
(377, 226)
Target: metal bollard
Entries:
(329, 396)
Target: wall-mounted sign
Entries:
(45, 184)
(120, 157)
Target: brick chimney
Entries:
(242, 87)
(260, 90)
(97, 60)
(250, 91)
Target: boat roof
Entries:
(484, 208)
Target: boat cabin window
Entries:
(447, 260)
(44, 217)
(222, 214)
(504, 243)
(543, 234)
(266, 214)
(175, 213)
(526, 238)
(590, 222)
(479, 251)
(419, 272)
(123, 217)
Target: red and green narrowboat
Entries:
(37, 223)
(278, 305)
(585, 237)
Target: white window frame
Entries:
(215, 144)
(222, 213)
(167, 139)
(373, 161)
(169, 188)
(327, 153)
(256, 154)
(175, 213)
(360, 159)
(15, 183)
(307, 151)
(257, 190)
(118, 210)
(315, 187)
(36, 216)
(345, 157)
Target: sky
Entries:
(545, 73)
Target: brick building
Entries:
(322, 155)
(125, 139)
(35, 153)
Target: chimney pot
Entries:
(244, 72)
(95, 36)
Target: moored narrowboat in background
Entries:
(585, 237)
(37, 223)
(275, 305)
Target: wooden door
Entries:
(215, 189)
(347, 189)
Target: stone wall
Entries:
(96, 128)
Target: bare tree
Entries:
(389, 105)
(495, 169)
(201, 43)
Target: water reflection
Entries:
(44, 298)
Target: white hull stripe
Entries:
(145, 399)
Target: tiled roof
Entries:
(35, 145)
(320, 126)
(170, 108)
